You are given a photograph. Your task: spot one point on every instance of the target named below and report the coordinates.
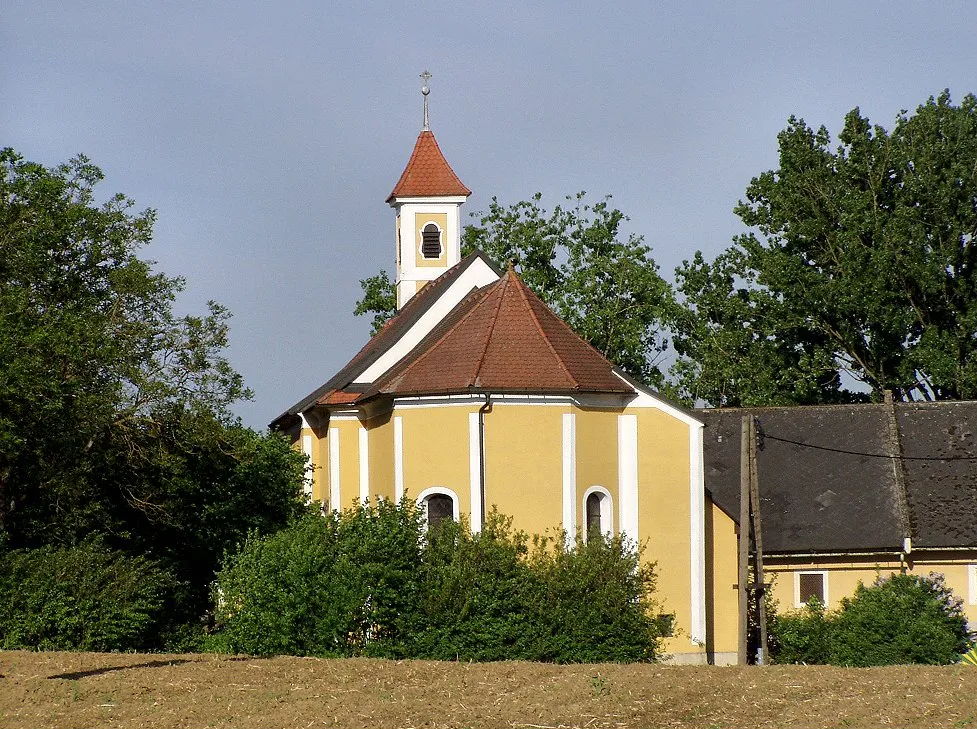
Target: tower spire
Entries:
(425, 90)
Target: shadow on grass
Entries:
(75, 675)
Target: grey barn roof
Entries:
(834, 479)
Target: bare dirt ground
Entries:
(84, 690)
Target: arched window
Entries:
(431, 241)
(439, 508)
(438, 504)
(597, 512)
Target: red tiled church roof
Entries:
(428, 173)
(502, 338)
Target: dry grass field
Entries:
(87, 690)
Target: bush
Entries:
(86, 597)
(333, 585)
(369, 582)
(899, 619)
(800, 636)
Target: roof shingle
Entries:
(428, 173)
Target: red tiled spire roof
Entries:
(428, 173)
(502, 338)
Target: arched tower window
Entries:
(431, 241)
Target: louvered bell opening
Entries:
(810, 585)
(431, 241)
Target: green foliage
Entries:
(379, 299)
(114, 412)
(899, 619)
(331, 585)
(860, 261)
(800, 636)
(86, 597)
(604, 284)
(369, 582)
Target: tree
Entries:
(114, 412)
(859, 263)
(577, 259)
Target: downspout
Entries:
(486, 408)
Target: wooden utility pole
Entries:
(743, 562)
(759, 586)
(751, 577)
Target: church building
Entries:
(476, 395)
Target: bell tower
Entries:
(428, 199)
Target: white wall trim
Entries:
(431, 491)
(475, 472)
(476, 275)
(440, 401)
(647, 399)
(570, 479)
(307, 450)
(398, 458)
(797, 586)
(627, 469)
(364, 464)
(334, 498)
(697, 537)
(972, 584)
(606, 510)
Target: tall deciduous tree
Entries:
(602, 282)
(860, 262)
(114, 412)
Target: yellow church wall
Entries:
(420, 220)
(435, 451)
(348, 430)
(381, 448)
(596, 462)
(664, 518)
(524, 465)
(722, 599)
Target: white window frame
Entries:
(439, 491)
(606, 511)
(797, 585)
(972, 584)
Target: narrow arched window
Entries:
(431, 241)
(598, 512)
(440, 507)
(593, 514)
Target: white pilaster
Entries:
(364, 464)
(475, 471)
(398, 458)
(570, 478)
(697, 536)
(334, 498)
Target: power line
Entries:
(846, 452)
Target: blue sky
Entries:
(268, 135)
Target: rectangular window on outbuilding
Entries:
(810, 585)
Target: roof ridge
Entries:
(542, 332)
(429, 349)
(491, 330)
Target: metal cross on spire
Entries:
(425, 90)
